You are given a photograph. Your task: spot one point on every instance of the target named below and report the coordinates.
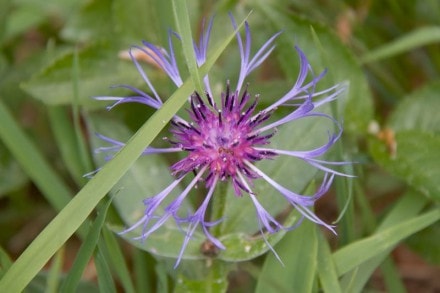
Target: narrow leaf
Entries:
(298, 251)
(86, 251)
(327, 273)
(105, 280)
(53, 278)
(181, 17)
(65, 137)
(31, 160)
(117, 261)
(417, 38)
(353, 255)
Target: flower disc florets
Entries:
(222, 139)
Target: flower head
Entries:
(222, 141)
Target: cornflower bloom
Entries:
(223, 142)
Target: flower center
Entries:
(222, 139)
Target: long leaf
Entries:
(105, 280)
(355, 254)
(36, 166)
(85, 252)
(417, 38)
(326, 267)
(298, 250)
(181, 17)
(114, 254)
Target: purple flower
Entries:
(223, 141)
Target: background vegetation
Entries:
(56, 55)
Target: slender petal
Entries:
(199, 219)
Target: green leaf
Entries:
(139, 20)
(22, 19)
(32, 161)
(13, 176)
(298, 251)
(86, 24)
(357, 253)
(116, 257)
(67, 143)
(39, 284)
(105, 280)
(28, 14)
(53, 278)
(425, 243)
(326, 268)
(392, 278)
(100, 69)
(86, 251)
(5, 261)
(5, 10)
(214, 279)
(418, 111)
(245, 246)
(181, 17)
(143, 271)
(417, 38)
(416, 160)
(162, 280)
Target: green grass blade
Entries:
(162, 280)
(408, 207)
(80, 143)
(117, 262)
(298, 251)
(393, 280)
(5, 261)
(105, 280)
(143, 268)
(417, 38)
(65, 138)
(53, 277)
(327, 273)
(355, 254)
(183, 24)
(33, 163)
(76, 212)
(86, 251)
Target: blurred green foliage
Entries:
(56, 55)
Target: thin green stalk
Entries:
(181, 16)
(393, 281)
(53, 279)
(86, 251)
(65, 139)
(86, 162)
(417, 38)
(218, 207)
